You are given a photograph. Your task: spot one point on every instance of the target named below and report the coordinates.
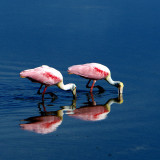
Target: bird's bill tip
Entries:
(22, 76)
(120, 90)
(74, 93)
(120, 98)
(74, 96)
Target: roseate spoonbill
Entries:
(95, 71)
(47, 76)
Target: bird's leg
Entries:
(50, 93)
(87, 85)
(94, 81)
(44, 93)
(38, 92)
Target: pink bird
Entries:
(95, 71)
(47, 76)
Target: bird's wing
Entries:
(90, 71)
(44, 74)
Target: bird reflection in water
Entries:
(48, 121)
(93, 112)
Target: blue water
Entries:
(123, 35)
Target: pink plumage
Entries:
(91, 71)
(44, 75)
(47, 76)
(94, 71)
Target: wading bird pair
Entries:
(48, 76)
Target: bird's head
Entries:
(73, 89)
(120, 86)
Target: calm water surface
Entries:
(124, 35)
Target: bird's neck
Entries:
(110, 81)
(61, 85)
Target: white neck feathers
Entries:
(110, 81)
(64, 87)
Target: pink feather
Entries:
(93, 71)
(44, 75)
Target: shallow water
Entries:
(121, 35)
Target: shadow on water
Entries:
(52, 96)
(49, 121)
